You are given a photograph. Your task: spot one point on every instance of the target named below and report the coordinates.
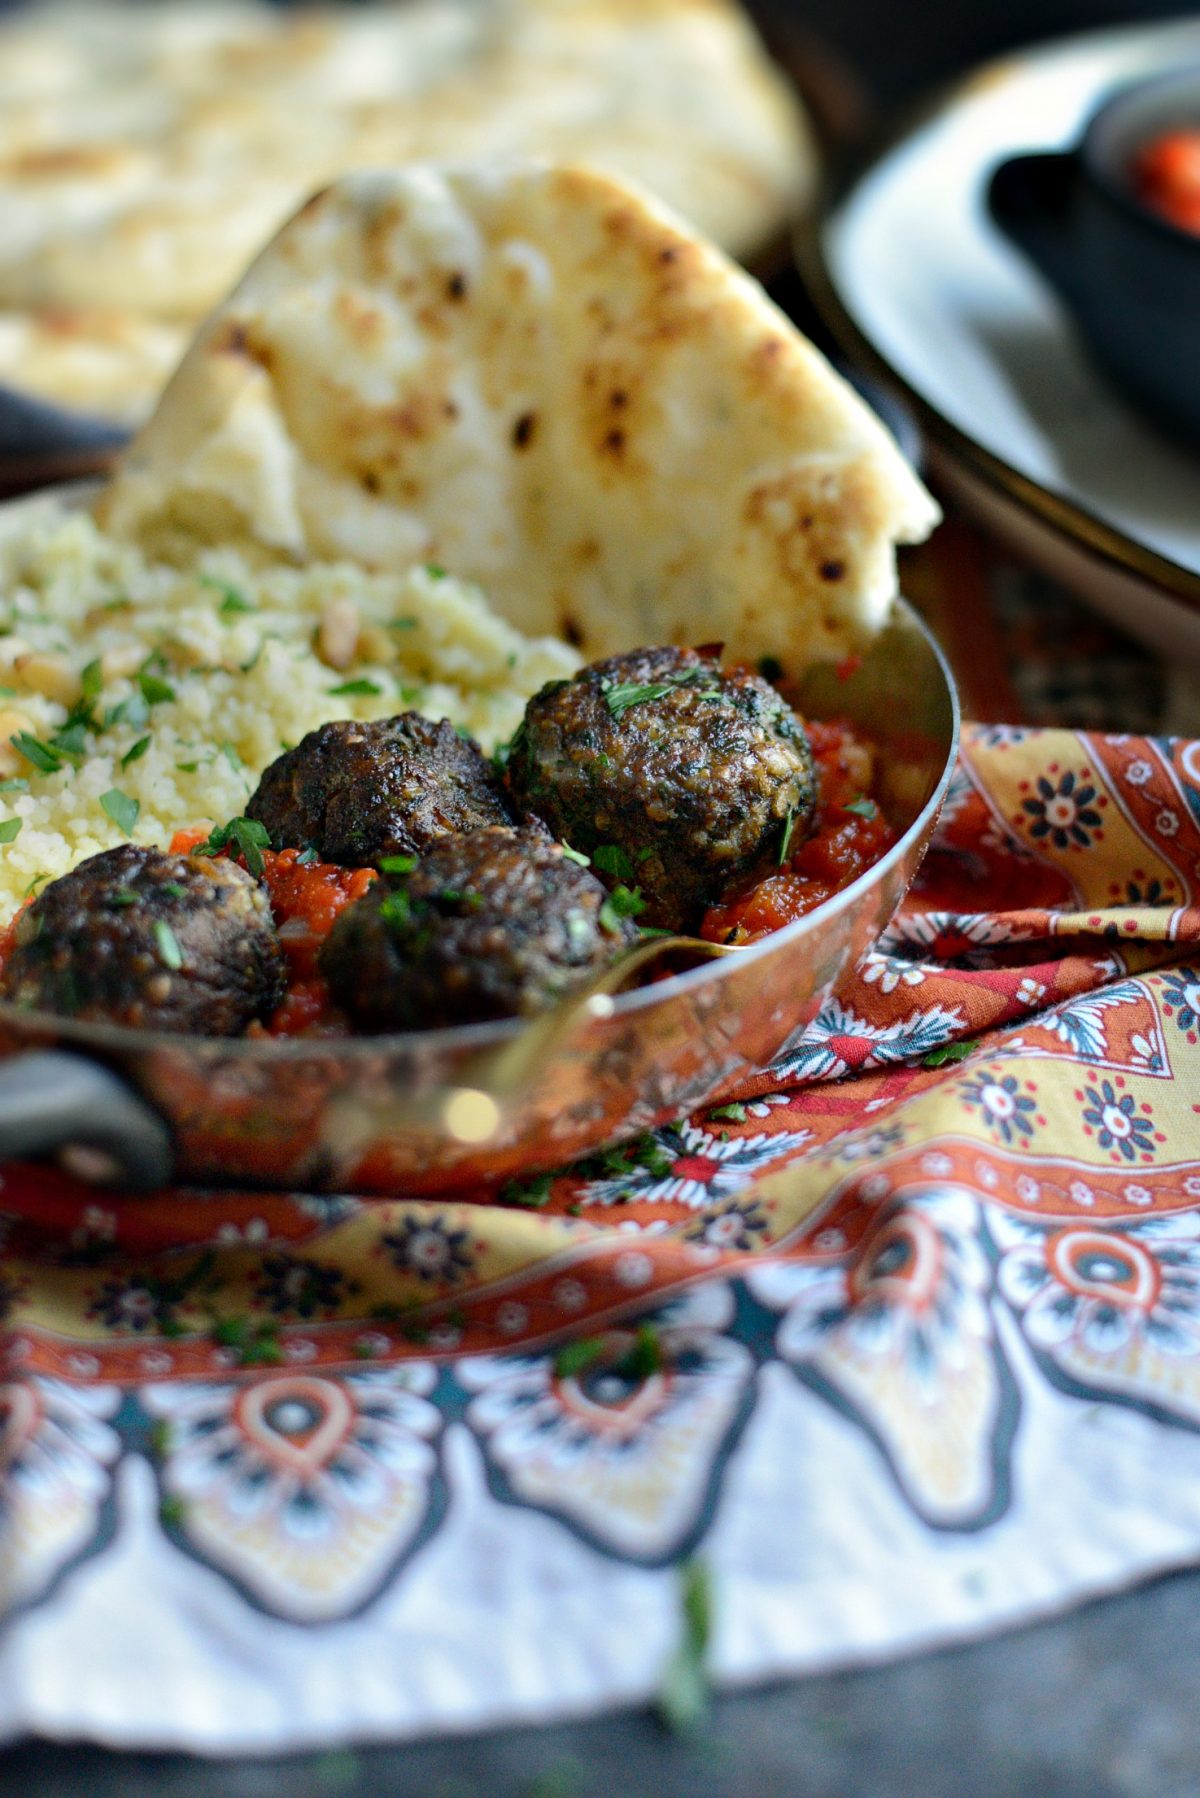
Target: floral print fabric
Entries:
(990, 1135)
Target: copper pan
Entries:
(364, 1114)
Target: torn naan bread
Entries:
(541, 380)
(147, 152)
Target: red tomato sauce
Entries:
(1166, 177)
(306, 898)
(849, 834)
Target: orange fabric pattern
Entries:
(1028, 1033)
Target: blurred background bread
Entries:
(147, 152)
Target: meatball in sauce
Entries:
(494, 924)
(356, 793)
(157, 942)
(674, 776)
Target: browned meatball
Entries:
(154, 941)
(485, 926)
(675, 777)
(358, 792)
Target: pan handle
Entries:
(52, 1100)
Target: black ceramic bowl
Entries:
(1130, 278)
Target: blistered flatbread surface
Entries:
(541, 379)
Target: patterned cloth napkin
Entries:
(904, 1343)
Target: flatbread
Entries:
(146, 153)
(107, 363)
(543, 381)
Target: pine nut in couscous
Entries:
(137, 698)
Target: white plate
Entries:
(1022, 430)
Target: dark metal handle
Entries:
(30, 426)
(52, 1100)
(1032, 199)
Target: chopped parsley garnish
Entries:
(229, 751)
(133, 711)
(622, 902)
(173, 890)
(620, 695)
(121, 808)
(642, 1358)
(645, 1356)
(170, 954)
(576, 856)
(576, 1357)
(435, 571)
(610, 858)
(530, 1195)
(244, 835)
(81, 716)
(123, 896)
(233, 600)
(683, 1697)
(91, 680)
(652, 930)
(356, 688)
(402, 624)
(734, 1114)
(865, 808)
(37, 881)
(71, 740)
(14, 785)
(43, 757)
(306, 858)
(398, 864)
(785, 842)
(136, 753)
(10, 828)
(187, 767)
(154, 689)
(947, 1052)
(396, 909)
(627, 901)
